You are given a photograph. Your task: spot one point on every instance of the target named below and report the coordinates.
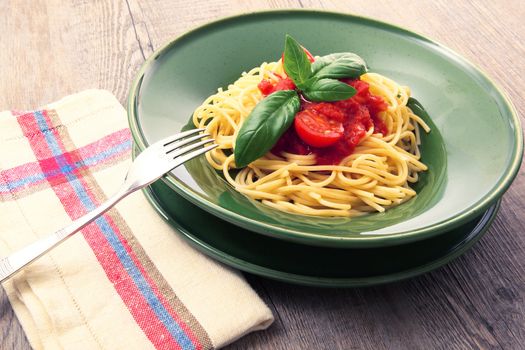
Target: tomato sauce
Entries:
(266, 87)
(357, 115)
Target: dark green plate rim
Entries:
(319, 281)
(316, 239)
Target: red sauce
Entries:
(267, 87)
(357, 114)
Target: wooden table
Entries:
(57, 47)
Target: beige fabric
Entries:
(65, 299)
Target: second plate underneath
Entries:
(310, 265)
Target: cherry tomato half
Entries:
(316, 129)
(308, 54)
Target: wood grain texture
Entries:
(53, 48)
(11, 333)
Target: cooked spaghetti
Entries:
(374, 177)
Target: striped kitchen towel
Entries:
(127, 281)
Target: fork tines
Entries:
(174, 146)
(170, 139)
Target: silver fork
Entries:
(150, 165)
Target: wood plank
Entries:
(11, 333)
(474, 302)
(63, 47)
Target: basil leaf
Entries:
(339, 65)
(264, 126)
(296, 63)
(329, 90)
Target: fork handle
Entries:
(19, 259)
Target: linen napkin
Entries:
(127, 281)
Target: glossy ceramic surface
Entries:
(305, 264)
(473, 151)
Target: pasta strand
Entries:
(374, 177)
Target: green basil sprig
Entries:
(296, 63)
(264, 126)
(339, 65)
(272, 116)
(329, 90)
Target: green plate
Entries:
(305, 264)
(473, 152)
